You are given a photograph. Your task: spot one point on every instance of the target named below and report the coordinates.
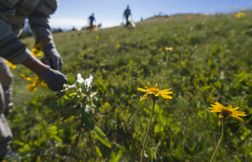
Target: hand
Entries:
(53, 59)
(54, 79)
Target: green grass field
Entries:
(211, 61)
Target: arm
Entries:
(12, 49)
(10, 46)
(43, 36)
(54, 79)
(35, 65)
(39, 22)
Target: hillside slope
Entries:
(202, 58)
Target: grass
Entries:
(211, 61)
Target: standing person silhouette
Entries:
(91, 19)
(127, 14)
(12, 16)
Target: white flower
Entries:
(88, 81)
(81, 85)
(80, 80)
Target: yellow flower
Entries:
(34, 82)
(118, 46)
(155, 92)
(37, 50)
(240, 15)
(97, 37)
(32, 87)
(12, 66)
(166, 49)
(42, 83)
(27, 78)
(225, 112)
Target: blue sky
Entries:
(109, 12)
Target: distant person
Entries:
(127, 15)
(12, 16)
(91, 19)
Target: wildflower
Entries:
(166, 49)
(155, 92)
(34, 82)
(80, 82)
(88, 81)
(118, 46)
(79, 79)
(225, 112)
(98, 37)
(37, 50)
(27, 78)
(32, 87)
(9, 64)
(240, 15)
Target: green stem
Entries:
(147, 130)
(221, 137)
(76, 142)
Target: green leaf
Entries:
(116, 157)
(101, 136)
(98, 152)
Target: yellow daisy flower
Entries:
(32, 87)
(97, 37)
(27, 78)
(37, 50)
(240, 15)
(166, 49)
(225, 112)
(34, 82)
(155, 92)
(11, 66)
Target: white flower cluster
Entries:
(81, 88)
(80, 83)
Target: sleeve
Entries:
(42, 32)
(40, 27)
(7, 7)
(45, 8)
(39, 22)
(11, 48)
(8, 4)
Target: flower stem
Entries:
(221, 137)
(147, 130)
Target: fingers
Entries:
(60, 64)
(54, 62)
(54, 79)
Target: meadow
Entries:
(201, 58)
